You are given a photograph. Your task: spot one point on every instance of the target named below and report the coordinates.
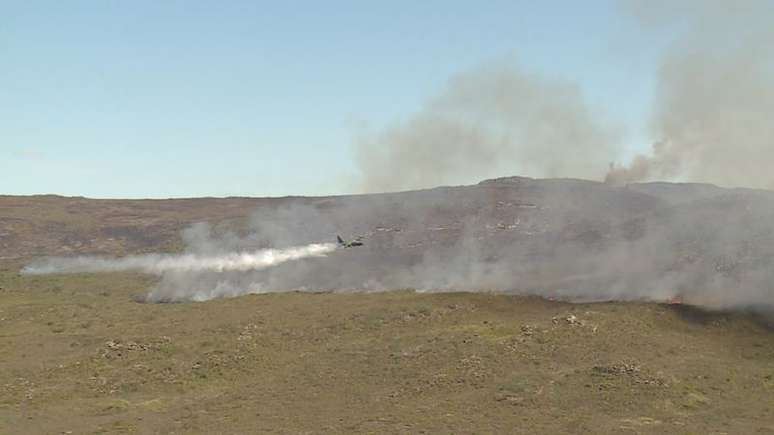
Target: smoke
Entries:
(277, 250)
(715, 95)
(710, 121)
(569, 239)
(159, 263)
(493, 121)
(175, 269)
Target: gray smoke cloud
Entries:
(712, 119)
(567, 239)
(494, 121)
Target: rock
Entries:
(571, 319)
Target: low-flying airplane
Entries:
(344, 244)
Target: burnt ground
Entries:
(80, 356)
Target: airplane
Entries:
(352, 244)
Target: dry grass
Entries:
(79, 356)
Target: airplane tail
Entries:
(341, 241)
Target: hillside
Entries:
(55, 225)
(473, 351)
(571, 239)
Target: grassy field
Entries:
(79, 356)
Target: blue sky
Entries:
(186, 98)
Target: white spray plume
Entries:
(160, 263)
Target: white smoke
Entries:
(167, 265)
